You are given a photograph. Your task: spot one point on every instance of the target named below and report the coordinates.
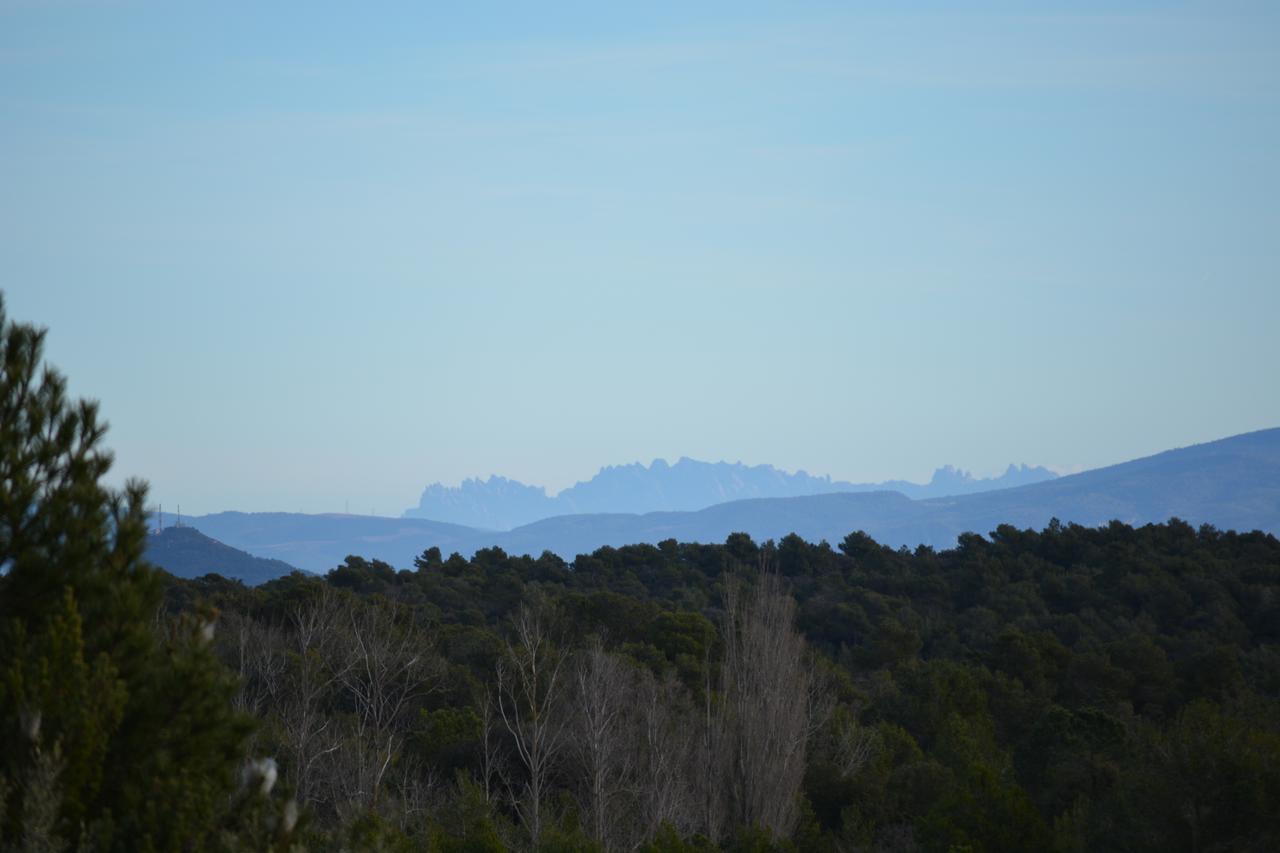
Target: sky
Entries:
(315, 256)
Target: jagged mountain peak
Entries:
(688, 484)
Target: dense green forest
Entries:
(1066, 689)
(1074, 689)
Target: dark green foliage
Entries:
(360, 575)
(469, 824)
(1069, 689)
(667, 840)
(112, 734)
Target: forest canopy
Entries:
(1071, 688)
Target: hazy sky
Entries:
(317, 253)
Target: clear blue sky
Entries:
(317, 253)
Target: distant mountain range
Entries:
(502, 504)
(188, 553)
(1233, 483)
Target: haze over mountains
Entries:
(502, 504)
(1233, 483)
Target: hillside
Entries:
(1233, 483)
(188, 553)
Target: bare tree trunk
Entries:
(602, 695)
(710, 761)
(528, 690)
(490, 757)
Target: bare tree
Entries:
(529, 683)
(709, 770)
(490, 751)
(257, 654)
(768, 699)
(664, 747)
(855, 746)
(315, 665)
(388, 666)
(603, 747)
(420, 792)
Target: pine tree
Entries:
(116, 731)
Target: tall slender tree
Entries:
(768, 701)
(529, 684)
(603, 694)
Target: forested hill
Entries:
(188, 553)
(1110, 689)
(502, 504)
